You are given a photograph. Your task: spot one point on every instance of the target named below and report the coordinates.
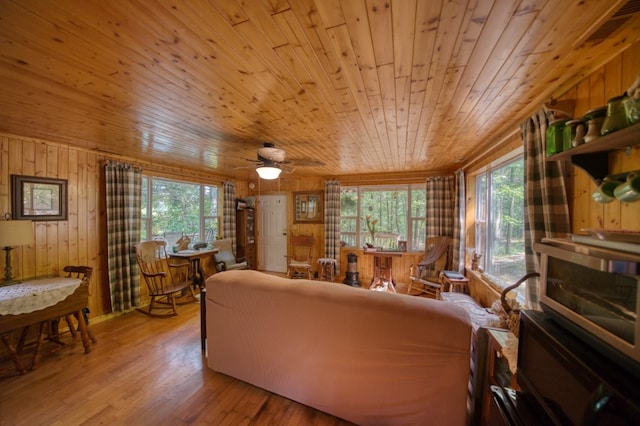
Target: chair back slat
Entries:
(301, 246)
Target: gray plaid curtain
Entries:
(459, 213)
(229, 212)
(440, 206)
(545, 203)
(124, 195)
(332, 221)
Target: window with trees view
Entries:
(383, 215)
(500, 221)
(172, 208)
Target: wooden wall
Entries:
(287, 185)
(59, 243)
(80, 240)
(593, 91)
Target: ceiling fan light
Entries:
(268, 173)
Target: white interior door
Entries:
(272, 228)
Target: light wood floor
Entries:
(142, 371)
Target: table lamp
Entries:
(14, 233)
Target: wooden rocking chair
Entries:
(166, 281)
(424, 277)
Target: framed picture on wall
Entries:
(309, 207)
(37, 198)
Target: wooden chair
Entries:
(424, 277)
(166, 281)
(299, 263)
(84, 273)
(225, 259)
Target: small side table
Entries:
(454, 284)
(382, 270)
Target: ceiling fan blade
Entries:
(307, 162)
(248, 166)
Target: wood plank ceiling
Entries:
(361, 85)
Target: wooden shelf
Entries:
(589, 156)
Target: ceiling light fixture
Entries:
(268, 172)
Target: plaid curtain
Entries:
(124, 200)
(440, 206)
(545, 203)
(229, 212)
(459, 213)
(332, 221)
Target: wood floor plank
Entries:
(142, 371)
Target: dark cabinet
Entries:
(246, 236)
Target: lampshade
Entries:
(268, 173)
(16, 233)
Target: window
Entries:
(499, 221)
(172, 208)
(383, 215)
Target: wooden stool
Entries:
(327, 269)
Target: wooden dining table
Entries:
(194, 257)
(37, 300)
(383, 269)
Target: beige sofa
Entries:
(367, 357)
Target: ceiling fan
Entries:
(270, 162)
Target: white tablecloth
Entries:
(34, 295)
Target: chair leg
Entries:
(72, 330)
(84, 332)
(173, 304)
(193, 295)
(165, 302)
(92, 337)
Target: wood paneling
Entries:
(59, 243)
(610, 80)
(593, 91)
(365, 86)
(80, 240)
